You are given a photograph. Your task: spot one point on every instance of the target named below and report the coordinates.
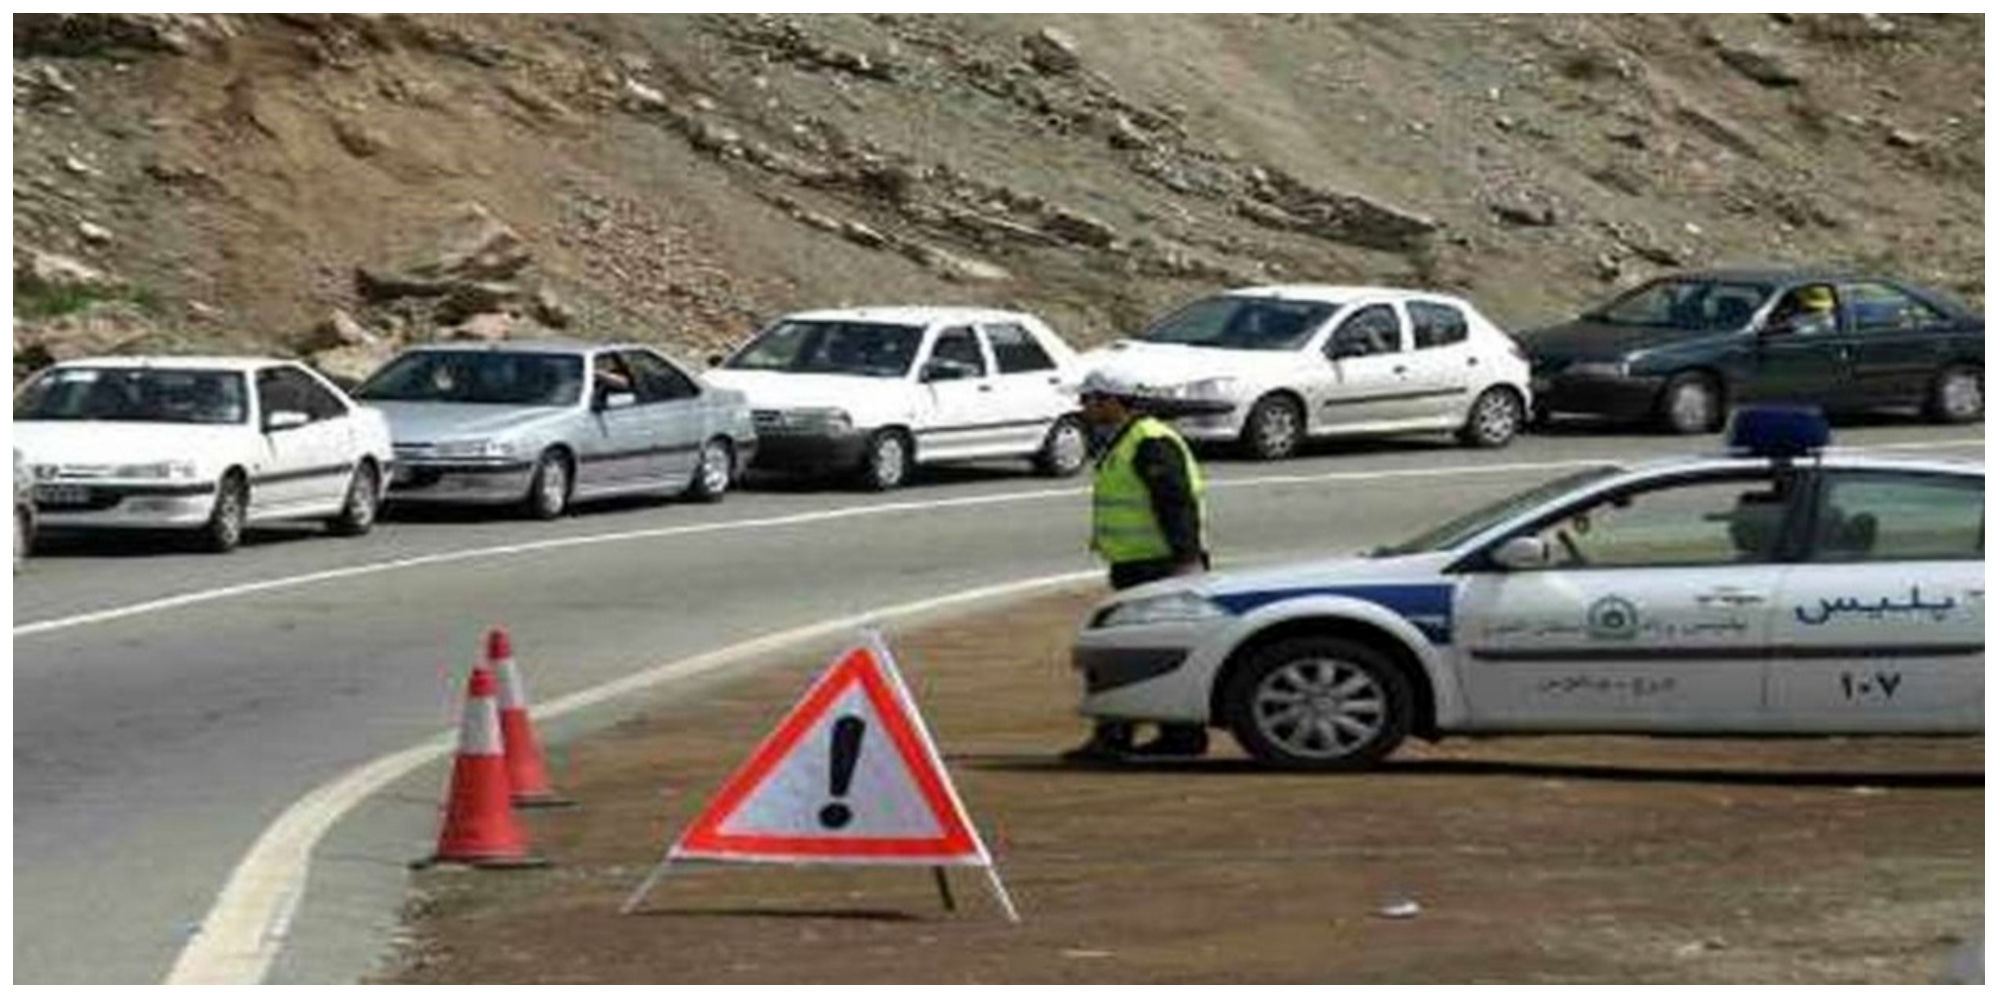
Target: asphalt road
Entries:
(152, 747)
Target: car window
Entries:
(1371, 330)
(959, 346)
(610, 375)
(832, 347)
(1874, 307)
(294, 390)
(1886, 516)
(1686, 304)
(320, 401)
(659, 381)
(507, 378)
(1434, 324)
(1240, 322)
(1740, 519)
(151, 395)
(1465, 527)
(1017, 350)
(1807, 309)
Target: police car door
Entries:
(1652, 610)
(1882, 627)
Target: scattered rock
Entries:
(77, 167)
(1629, 138)
(1608, 267)
(41, 84)
(1126, 135)
(1764, 65)
(37, 268)
(550, 310)
(1399, 909)
(1341, 216)
(337, 330)
(1519, 211)
(481, 248)
(202, 312)
(362, 141)
(466, 299)
(645, 98)
(532, 99)
(1906, 139)
(485, 326)
(954, 267)
(379, 285)
(1052, 51)
(1077, 227)
(864, 234)
(350, 364)
(93, 233)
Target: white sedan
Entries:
(1299, 361)
(1745, 594)
(208, 444)
(875, 392)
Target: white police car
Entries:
(1778, 590)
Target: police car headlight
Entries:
(176, 469)
(1184, 606)
(1600, 369)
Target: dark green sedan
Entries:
(1681, 350)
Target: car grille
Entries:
(415, 449)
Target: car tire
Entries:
(1320, 703)
(714, 471)
(1065, 450)
(364, 499)
(885, 461)
(1274, 429)
(1494, 419)
(550, 488)
(1957, 396)
(224, 530)
(1691, 403)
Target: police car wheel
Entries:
(1318, 703)
(1691, 403)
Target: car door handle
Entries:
(985, 388)
(1729, 598)
(1400, 370)
(1471, 362)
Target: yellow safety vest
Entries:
(1123, 528)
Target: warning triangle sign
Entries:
(850, 776)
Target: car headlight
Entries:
(824, 418)
(1180, 606)
(475, 449)
(173, 469)
(1213, 388)
(1601, 369)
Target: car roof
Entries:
(1775, 275)
(910, 315)
(242, 363)
(1337, 293)
(549, 346)
(1862, 459)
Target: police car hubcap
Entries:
(1320, 708)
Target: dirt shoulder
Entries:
(1530, 860)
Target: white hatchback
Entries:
(1302, 361)
(874, 392)
(203, 443)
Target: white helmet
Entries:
(1100, 382)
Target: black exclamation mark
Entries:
(847, 733)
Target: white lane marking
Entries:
(787, 520)
(247, 924)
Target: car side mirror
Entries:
(1525, 552)
(284, 420)
(1345, 349)
(616, 400)
(715, 361)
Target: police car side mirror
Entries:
(1526, 552)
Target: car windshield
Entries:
(1241, 323)
(1685, 304)
(1461, 529)
(831, 347)
(139, 395)
(499, 378)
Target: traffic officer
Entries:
(1148, 521)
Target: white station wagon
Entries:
(1750, 594)
(1300, 361)
(208, 444)
(874, 392)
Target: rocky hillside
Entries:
(333, 185)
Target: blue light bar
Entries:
(1778, 431)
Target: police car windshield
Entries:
(1242, 323)
(1457, 531)
(876, 350)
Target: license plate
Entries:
(62, 494)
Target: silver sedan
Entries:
(545, 424)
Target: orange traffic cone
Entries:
(526, 774)
(479, 826)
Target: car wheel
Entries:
(549, 488)
(1494, 419)
(1958, 396)
(1273, 429)
(364, 494)
(1318, 703)
(885, 463)
(712, 475)
(224, 530)
(1691, 403)
(1064, 450)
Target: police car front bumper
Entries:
(1149, 673)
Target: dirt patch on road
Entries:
(1528, 860)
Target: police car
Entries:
(1777, 589)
